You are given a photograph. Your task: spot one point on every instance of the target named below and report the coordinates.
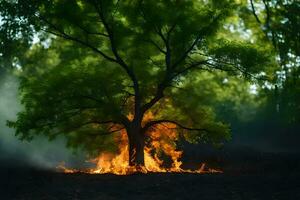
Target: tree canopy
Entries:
(92, 68)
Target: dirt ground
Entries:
(266, 177)
(33, 184)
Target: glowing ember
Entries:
(161, 141)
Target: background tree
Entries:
(273, 24)
(105, 64)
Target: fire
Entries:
(161, 141)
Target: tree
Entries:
(275, 25)
(105, 64)
(279, 21)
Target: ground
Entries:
(268, 177)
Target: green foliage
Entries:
(104, 60)
(277, 24)
(68, 100)
(247, 57)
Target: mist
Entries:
(39, 152)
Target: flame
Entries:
(162, 140)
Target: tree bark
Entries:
(136, 144)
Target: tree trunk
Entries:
(136, 147)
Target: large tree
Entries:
(101, 65)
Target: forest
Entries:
(163, 92)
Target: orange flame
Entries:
(161, 141)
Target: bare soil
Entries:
(267, 177)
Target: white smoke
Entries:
(39, 152)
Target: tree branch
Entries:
(186, 53)
(99, 9)
(191, 66)
(254, 12)
(168, 75)
(171, 67)
(268, 21)
(116, 130)
(62, 34)
(89, 97)
(69, 129)
(157, 122)
(156, 45)
(90, 32)
(266, 25)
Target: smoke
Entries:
(37, 153)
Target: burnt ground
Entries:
(267, 176)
